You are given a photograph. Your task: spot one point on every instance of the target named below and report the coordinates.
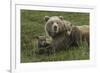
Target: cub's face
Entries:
(54, 25)
(41, 41)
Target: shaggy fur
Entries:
(42, 42)
(58, 29)
(79, 34)
(64, 34)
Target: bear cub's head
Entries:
(56, 25)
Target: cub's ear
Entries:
(61, 17)
(46, 18)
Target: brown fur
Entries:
(42, 42)
(79, 34)
(67, 35)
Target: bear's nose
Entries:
(55, 28)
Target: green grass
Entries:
(32, 24)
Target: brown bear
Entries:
(41, 44)
(64, 34)
(79, 34)
(41, 41)
(58, 29)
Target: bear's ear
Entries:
(61, 17)
(46, 18)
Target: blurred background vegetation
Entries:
(32, 24)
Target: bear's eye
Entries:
(51, 22)
(57, 22)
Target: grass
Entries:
(32, 24)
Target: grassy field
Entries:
(32, 24)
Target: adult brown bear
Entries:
(64, 34)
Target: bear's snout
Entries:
(55, 28)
